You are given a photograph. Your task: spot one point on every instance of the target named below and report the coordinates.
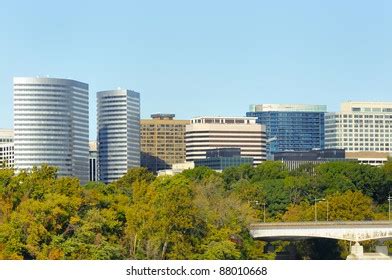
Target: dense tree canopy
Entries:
(198, 214)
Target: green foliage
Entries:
(347, 206)
(198, 214)
(232, 175)
(270, 170)
(198, 173)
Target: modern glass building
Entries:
(118, 121)
(222, 158)
(51, 125)
(221, 163)
(295, 127)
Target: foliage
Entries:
(198, 214)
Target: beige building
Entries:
(371, 158)
(363, 129)
(205, 133)
(162, 141)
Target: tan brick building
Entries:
(162, 141)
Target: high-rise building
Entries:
(93, 161)
(294, 127)
(118, 121)
(162, 141)
(6, 148)
(205, 133)
(51, 125)
(363, 129)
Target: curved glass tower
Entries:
(51, 125)
(118, 121)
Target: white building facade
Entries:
(6, 148)
(363, 129)
(205, 133)
(360, 126)
(51, 125)
(118, 121)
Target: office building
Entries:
(363, 129)
(222, 158)
(93, 161)
(51, 125)
(360, 126)
(162, 141)
(206, 133)
(371, 158)
(294, 159)
(295, 127)
(6, 148)
(118, 121)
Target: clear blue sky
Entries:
(204, 57)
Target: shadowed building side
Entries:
(118, 121)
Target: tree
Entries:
(269, 170)
(199, 173)
(234, 174)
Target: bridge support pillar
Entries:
(356, 252)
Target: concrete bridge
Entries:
(350, 231)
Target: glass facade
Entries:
(220, 163)
(296, 131)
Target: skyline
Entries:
(184, 54)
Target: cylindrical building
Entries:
(118, 122)
(51, 125)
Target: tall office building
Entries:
(294, 127)
(205, 133)
(363, 129)
(162, 141)
(51, 125)
(93, 161)
(6, 148)
(118, 121)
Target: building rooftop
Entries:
(163, 116)
(366, 107)
(224, 120)
(287, 108)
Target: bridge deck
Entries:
(353, 231)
